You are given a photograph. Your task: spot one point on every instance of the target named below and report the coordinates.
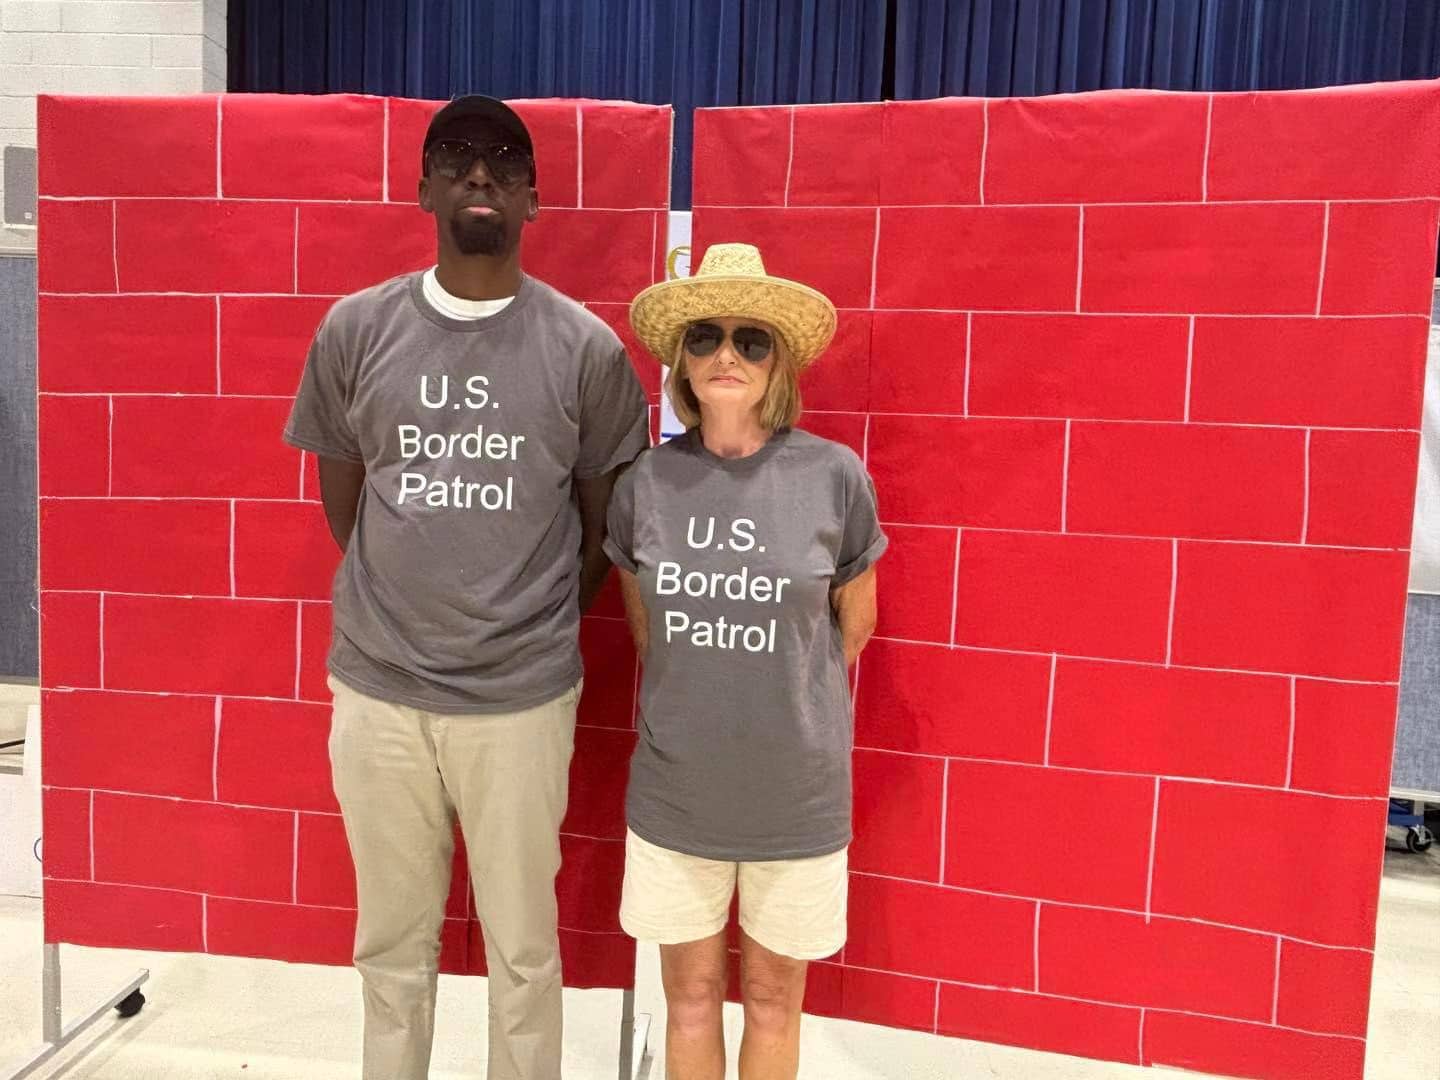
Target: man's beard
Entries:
(483, 236)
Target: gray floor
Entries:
(214, 1017)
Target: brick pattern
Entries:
(186, 562)
(1141, 397)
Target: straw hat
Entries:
(732, 282)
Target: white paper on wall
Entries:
(677, 265)
(1425, 543)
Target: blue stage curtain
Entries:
(697, 53)
(1015, 47)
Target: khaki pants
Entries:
(402, 775)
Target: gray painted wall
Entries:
(19, 620)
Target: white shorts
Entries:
(794, 907)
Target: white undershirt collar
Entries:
(457, 307)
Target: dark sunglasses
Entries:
(507, 165)
(749, 342)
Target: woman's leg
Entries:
(772, 988)
(694, 976)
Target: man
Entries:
(470, 422)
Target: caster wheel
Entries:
(1419, 839)
(132, 1004)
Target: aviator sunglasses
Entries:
(507, 164)
(749, 342)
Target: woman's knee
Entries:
(695, 980)
(772, 999)
(695, 1000)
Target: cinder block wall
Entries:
(101, 47)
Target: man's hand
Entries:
(593, 495)
(340, 485)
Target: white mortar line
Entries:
(984, 146)
(1154, 832)
(1174, 590)
(790, 161)
(215, 755)
(1205, 162)
(1189, 365)
(1050, 705)
(955, 586)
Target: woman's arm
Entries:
(854, 604)
(635, 613)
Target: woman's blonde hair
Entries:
(780, 407)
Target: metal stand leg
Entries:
(634, 1039)
(127, 1000)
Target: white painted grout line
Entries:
(1305, 517)
(984, 146)
(1324, 254)
(1174, 590)
(1205, 162)
(219, 147)
(92, 835)
(385, 154)
(1038, 906)
(844, 412)
(1290, 751)
(655, 246)
(204, 923)
(299, 630)
(1275, 1003)
(115, 242)
(1050, 706)
(1080, 259)
(1154, 833)
(875, 261)
(955, 586)
(232, 547)
(969, 326)
(215, 756)
(1308, 316)
(1141, 1058)
(790, 164)
(865, 445)
(219, 379)
(110, 447)
(935, 1023)
(1189, 365)
(580, 157)
(102, 197)
(1065, 481)
(944, 812)
(102, 641)
(295, 863)
(301, 496)
(295, 256)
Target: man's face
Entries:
(479, 191)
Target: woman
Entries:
(746, 551)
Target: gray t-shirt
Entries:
(745, 715)
(458, 591)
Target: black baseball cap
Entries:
(464, 116)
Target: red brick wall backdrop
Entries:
(188, 247)
(1138, 377)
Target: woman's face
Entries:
(729, 373)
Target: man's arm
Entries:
(854, 604)
(594, 498)
(635, 611)
(340, 484)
